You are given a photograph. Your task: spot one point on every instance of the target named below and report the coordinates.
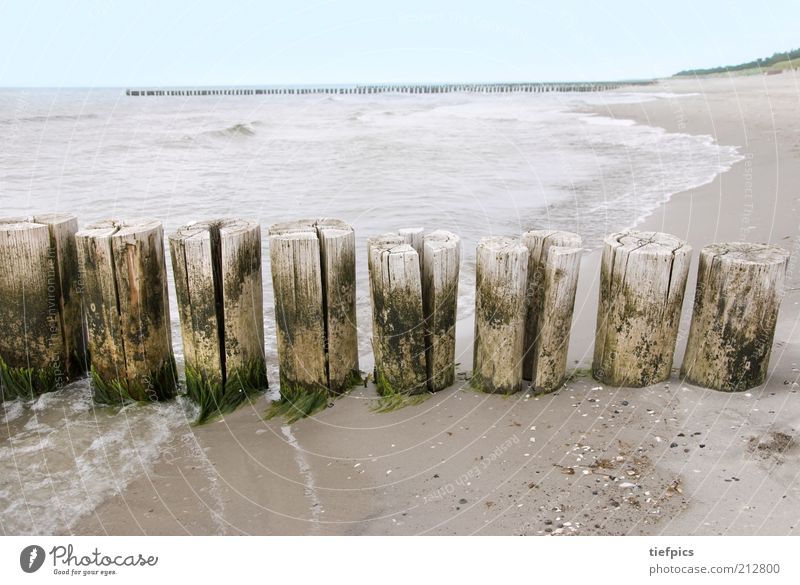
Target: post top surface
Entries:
(746, 253)
(385, 241)
(9, 224)
(555, 237)
(308, 225)
(54, 218)
(502, 244)
(31, 222)
(119, 228)
(202, 229)
(650, 243)
(441, 239)
(397, 250)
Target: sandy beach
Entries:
(588, 459)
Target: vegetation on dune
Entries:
(778, 61)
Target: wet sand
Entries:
(588, 459)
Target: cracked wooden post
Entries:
(376, 244)
(127, 310)
(642, 283)
(43, 344)
(553, 264)
(415, 237)
(217, 269)
(398, 333)
(338, 262)
(313, 275)
(297, 281)
(739, 290)
(501, 274)
(440, 267)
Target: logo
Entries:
(31, 558)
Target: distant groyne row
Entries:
(539, 87)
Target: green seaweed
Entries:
(113, 392)
(353, 379)
(27, 383)
(217, 399)
(391, 399)
(297, 402)
(478, 384)
(578, 373)
(162, 385)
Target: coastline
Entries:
(585, 460)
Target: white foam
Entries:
(60, 464)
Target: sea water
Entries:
(478, 165)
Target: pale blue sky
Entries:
(145, 42)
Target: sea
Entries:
(475, 164)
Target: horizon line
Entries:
(331, 84)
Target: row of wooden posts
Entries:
(541, 87)
(96, 300)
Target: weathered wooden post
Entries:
(217, 269)
(127, 310)
(440, 268)
(501, 268)
(297, 282)
(375, 245)
(414, 312)
(398, 333)
(642, 282)
(313, 276)
(553, 265)
(338, 263)
(43, 344)
(415, 237)
(739, 290)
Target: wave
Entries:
(52, 118)
(65, 456)
(240, 130)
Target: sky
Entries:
(122, 43)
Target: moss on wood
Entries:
(159, 385)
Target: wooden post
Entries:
(398, 334)
(338, 262)
(127, 310)
(375, 245)
(441, 261)
(739, 290)
(297, 282)
(501, 267)
(217, 269)
(63, 227)
(415, 238)
(313, 275)
(553, 266)
(642, 282)
(539, 243)
(43, 344)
